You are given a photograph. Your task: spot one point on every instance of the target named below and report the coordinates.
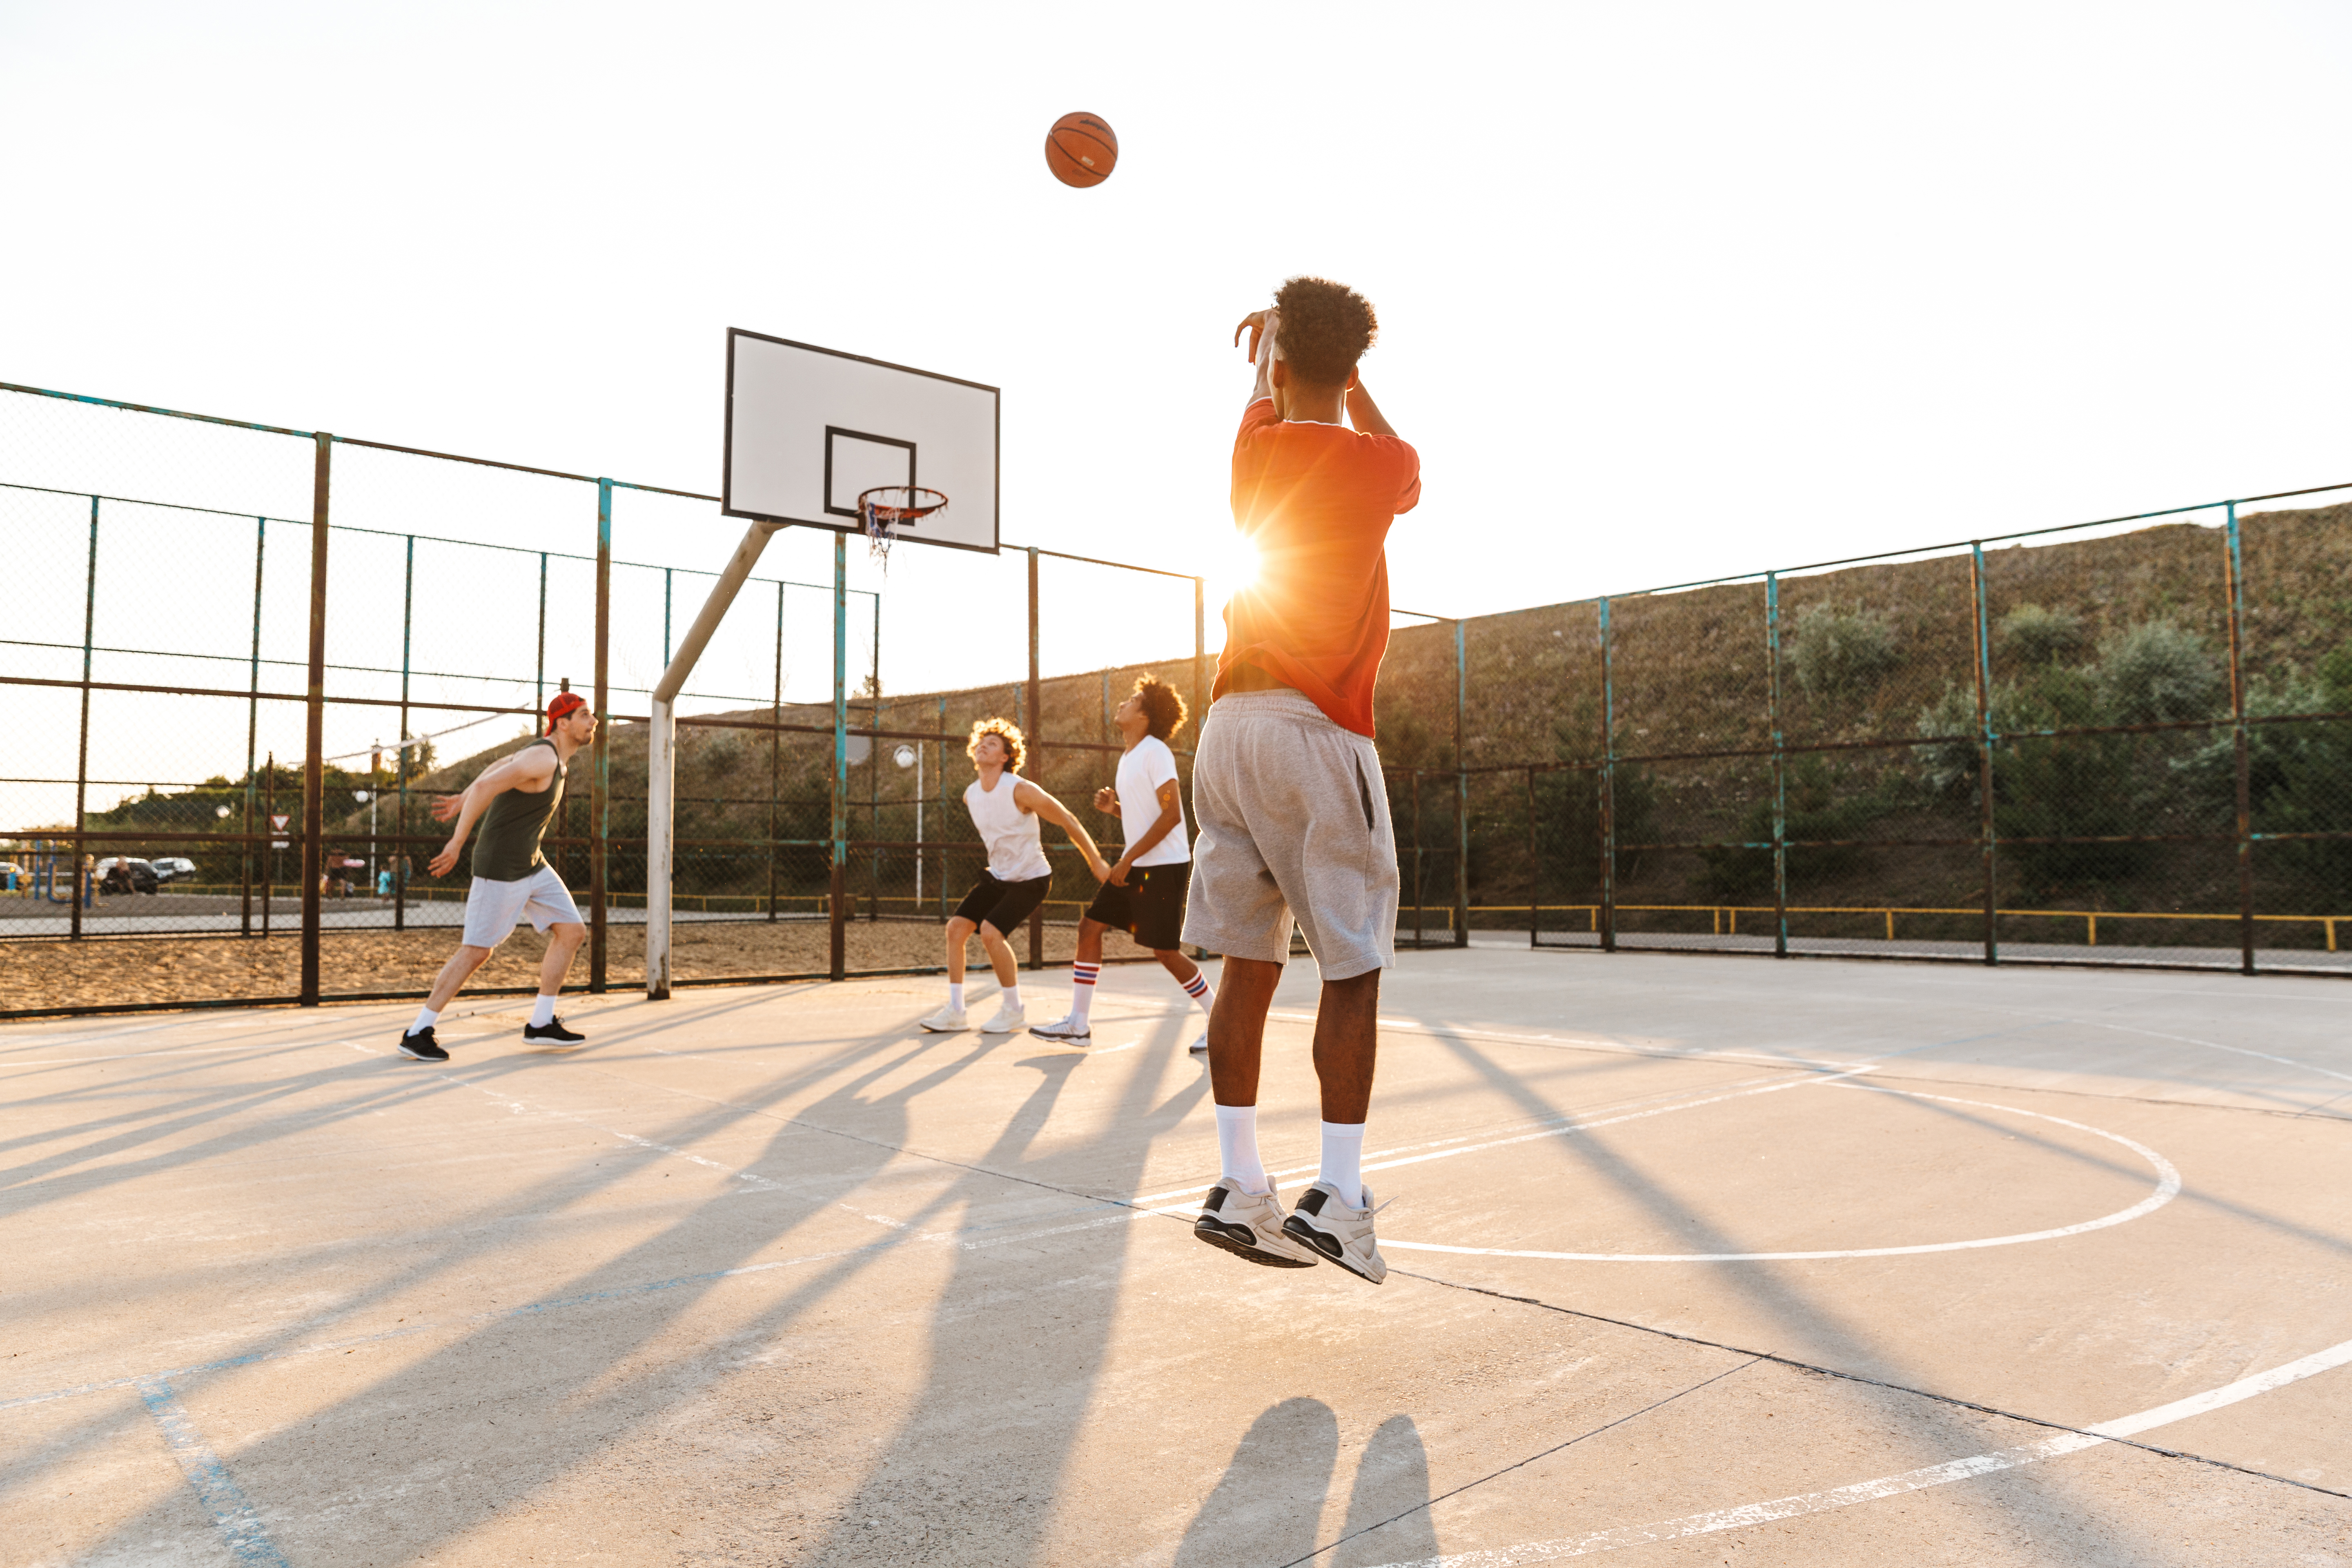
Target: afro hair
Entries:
(1163, 709)
(1324, 329)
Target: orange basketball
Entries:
(1081, 150)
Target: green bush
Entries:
(2036, 633)
(2156, 673)
(1840, 653)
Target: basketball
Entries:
(1081, 150)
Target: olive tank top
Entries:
(506, 842)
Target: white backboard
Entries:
(808, 428)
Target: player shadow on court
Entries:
(1020, 1331)
(1267, 1509)
(1810, 1329)
(559, 1385)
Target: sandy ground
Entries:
(1812, 1266)
(114, 971)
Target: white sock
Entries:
(1083, 979)
(543, 1013)
(955, 997)
(426, 1018)
(1237, 1148)
(1343, 1160)
(1012, 995)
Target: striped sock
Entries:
(1199, 989)
(1082, 989)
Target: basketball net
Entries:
(883, 511)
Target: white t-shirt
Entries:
(1141, 772)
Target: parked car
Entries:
(175, 868)
(127, 874)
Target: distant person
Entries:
(383, 883)
(1144, 894)
(1006, 810)
(513, 801)
(1287, 786)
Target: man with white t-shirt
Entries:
(1006, 811)
(1143, 895)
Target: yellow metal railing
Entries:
(1726, 917)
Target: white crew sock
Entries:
(1237, 1148)
(1199, 989)
(1343, 1160)
(955, 997)
(426, 1018)
(1012, 995)
(1083, 978)
(542, 1012)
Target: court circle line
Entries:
(2168, 1187)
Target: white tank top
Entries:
(1016, 851)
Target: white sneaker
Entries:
(1249, 1226)
(1070, 1031)
(946, 1021)
(1200, 1048)
(1338, 1232)
(1009, 1017)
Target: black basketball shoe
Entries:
(552, 1032)
(420, 1043)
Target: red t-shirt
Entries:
(1317, 501)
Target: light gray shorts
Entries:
(494, 909)
(1293, 823)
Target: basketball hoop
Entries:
(883, 511)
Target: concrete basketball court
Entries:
(1694, 1260)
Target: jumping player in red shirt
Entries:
(1286, 788)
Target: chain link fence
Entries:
(243, 662)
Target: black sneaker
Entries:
(420, 1043)
(552, 1031)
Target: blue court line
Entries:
(240, 1526)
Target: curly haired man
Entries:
(1286, 786)
(1144, 893)
(1007, 809)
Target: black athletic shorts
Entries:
(1003, 905)
(1151, 908)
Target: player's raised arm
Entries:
(1363, 413)
(1029, 797)
(1262, 326)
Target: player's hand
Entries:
(446, 809)
(441, 864)
(1106, 799)
(1117, 874)
(1258, 324)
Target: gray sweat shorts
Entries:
(1293, 823)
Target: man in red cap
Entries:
(513, 801)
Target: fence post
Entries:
(1460, 790)
(539, 681)
(874, 770)
(1200, 659)
(2236, 568)
(1987, 831)
(839, 879)
(776, 752)
(252, 737)
(1036, 729)
(1608, 787)
(269, 845)
(1780, 766)
(1535, 869)
(314, 730)
(600, 775)
(81, 763)
(407, 630)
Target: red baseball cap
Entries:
(565, 704)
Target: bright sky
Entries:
(1666, 290)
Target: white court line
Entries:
(1586, 1043)
(132, 1056)
(1561, 1132)
(1755, 1513)
(2217, 1046)
(2168, 1187)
